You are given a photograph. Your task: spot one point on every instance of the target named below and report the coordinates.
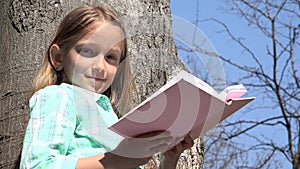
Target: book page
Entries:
(231, 92)
(183, 75)
(198, 83)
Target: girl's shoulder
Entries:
(51, 102)
(52, 93)
(62, 89)
(62, 92)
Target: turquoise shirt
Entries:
(67, 123)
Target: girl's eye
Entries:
(87, 52)
(112, 59)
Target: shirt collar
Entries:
(79, 91)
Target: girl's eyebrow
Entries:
(86, 43)
(116, 51)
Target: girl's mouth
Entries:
(97, 79)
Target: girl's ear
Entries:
(56, 57)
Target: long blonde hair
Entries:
(72, 28)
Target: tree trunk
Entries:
(27, 28)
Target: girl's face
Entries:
(93, 61)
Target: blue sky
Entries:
(222, 43)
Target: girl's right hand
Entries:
(131, 152)
(144, 145)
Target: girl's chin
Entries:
(96, 89)
(91, 87)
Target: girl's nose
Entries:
(99, 65)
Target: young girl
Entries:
(84, 76)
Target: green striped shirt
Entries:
(67, 123)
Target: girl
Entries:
(84, 76)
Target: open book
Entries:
(185, 104)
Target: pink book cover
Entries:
(185, 104)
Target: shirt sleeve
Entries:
(49, 131)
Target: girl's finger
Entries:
(162, 135)
(159, 141)
(155, 135)
(188, 142)
(159, 148)
(175, 142)
(178, 148)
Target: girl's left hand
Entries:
(169, 158)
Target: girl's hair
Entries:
(72, 28)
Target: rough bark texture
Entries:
(28, 26)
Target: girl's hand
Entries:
(144, 145)
(169, 158)
(131, 152)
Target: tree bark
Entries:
(27, 28)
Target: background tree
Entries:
(272, 76)
(27, 28)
